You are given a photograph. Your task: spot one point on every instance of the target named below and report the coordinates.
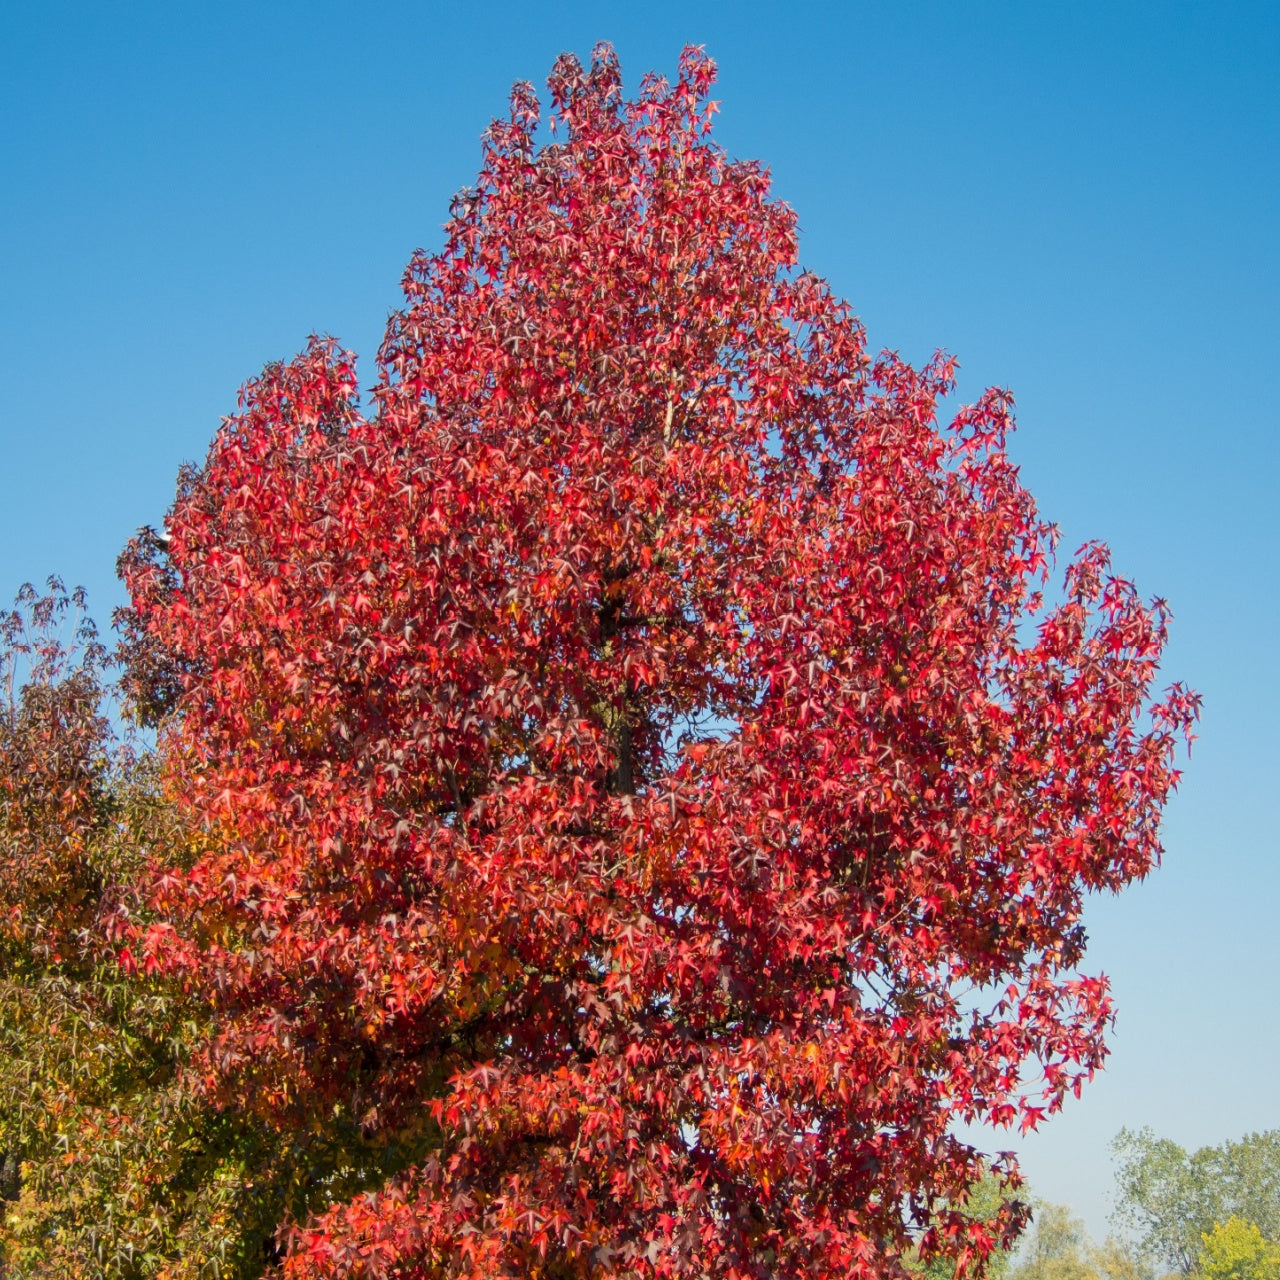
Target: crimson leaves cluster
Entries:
(640, 781)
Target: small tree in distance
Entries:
(1057, 1247)
(1172, 1201)
(636, 821)
(1237, 1250)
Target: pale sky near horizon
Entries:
(1079, 200)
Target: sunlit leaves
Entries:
(644, 797)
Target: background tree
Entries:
(1237, 1250)
(635, 819)
(1169, 1199)
(113, 1163)
(1057, 1247)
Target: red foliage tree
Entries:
(632, 794)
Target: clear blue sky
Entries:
(1080, 200)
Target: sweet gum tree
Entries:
(637, 821)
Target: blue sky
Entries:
(1082, 201)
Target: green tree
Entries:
(111, 1164)
(1059, 1248)
(1056, 1248)
(1169, 1199)
(1237, 1250)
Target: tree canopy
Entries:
(621, 792)
(1171, 1199)
(1237, 1250)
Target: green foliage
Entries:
(1059, 1248)
(1237, 1250)
(1170, 1200)
(109, 1162)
